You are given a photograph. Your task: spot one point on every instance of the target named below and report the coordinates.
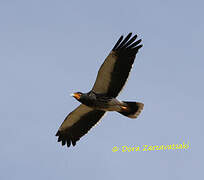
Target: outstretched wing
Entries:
(77, 124)
(114, 72)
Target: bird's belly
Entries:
(108, 108)
(112, 105)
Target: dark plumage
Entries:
(71, 130)
(110, 80)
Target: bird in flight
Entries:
(110, 80)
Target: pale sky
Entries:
(49, 49)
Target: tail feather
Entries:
(132, 110)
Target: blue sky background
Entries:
(48, 49)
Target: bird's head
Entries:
(77, 95)
(84, 98)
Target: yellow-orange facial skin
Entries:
(77, 95)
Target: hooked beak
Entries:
(76, 95)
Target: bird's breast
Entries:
(104, 103)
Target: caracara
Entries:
(110, 80)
